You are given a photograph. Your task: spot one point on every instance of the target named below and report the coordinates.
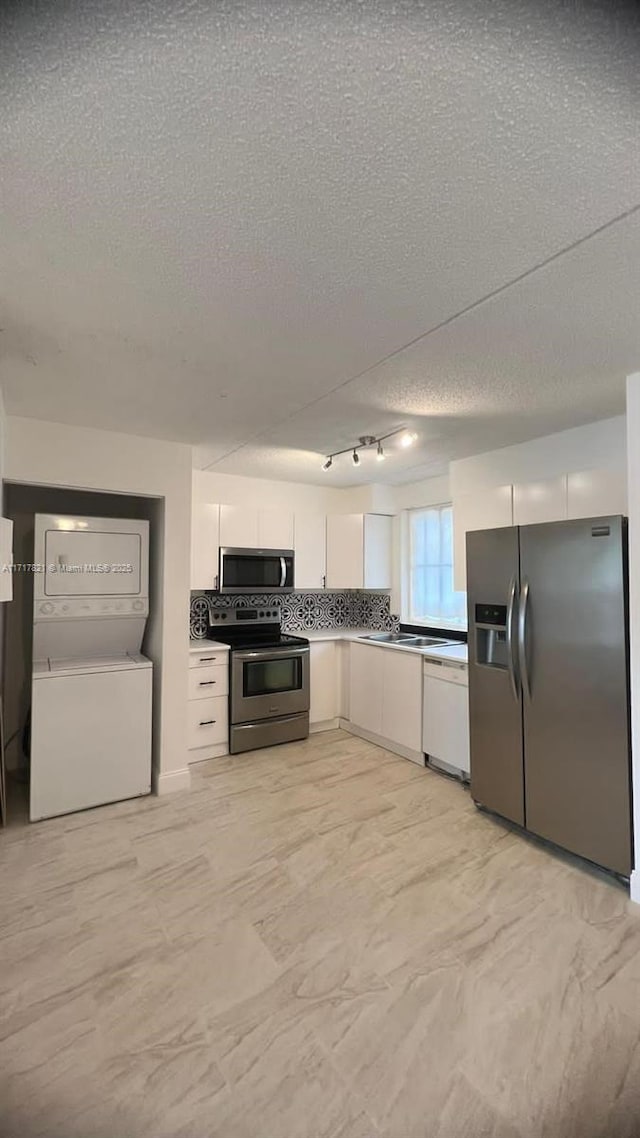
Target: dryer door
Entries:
(85, 563)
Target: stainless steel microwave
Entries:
(256, 570)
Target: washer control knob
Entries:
(137, 605)
(47, 608)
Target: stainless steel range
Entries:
(269, 678)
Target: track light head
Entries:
(328, 462)
(380, 453)
(355, 458)
(408, 438)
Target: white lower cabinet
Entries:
(365, 694)
(207, 723)
(344, 679)
(385, 695)
(402, 699)
(323, 680)
(208, 706)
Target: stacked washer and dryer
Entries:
(92, 687)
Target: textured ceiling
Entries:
(218, 218)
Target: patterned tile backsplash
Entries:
(300, 611)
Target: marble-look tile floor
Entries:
(319, 941)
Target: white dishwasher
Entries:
(445, 719)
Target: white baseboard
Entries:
(324, 725)
(634, 886)
(172, 781)
(388, 744)
(201, 754)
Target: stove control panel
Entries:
(243, 617)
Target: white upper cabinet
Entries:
(544, 501)
(345, 551)
(596, 493)
(359, 551)
(310, 545)
(205, 540)
(488, 507)
(377, 551)
(238, 527)
(275, 529)
(245, 528)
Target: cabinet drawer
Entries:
(205, 657)
(208, 680)
(207, 721)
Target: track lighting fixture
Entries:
(366, 441)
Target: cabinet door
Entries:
(275, 529)
(239, 527)
(205, 539)
(365, 688)
(310, 544)
(377, 551)
(488, 508)
(544, 501)
(345, 551)
(597, 493)
(323, 680)
(402, 698)
(344, 678)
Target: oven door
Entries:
(269, 683)
(256, 570)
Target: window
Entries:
(432, 597)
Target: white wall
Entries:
(234, 490)
(597, 445)
(428, 492)
(50, 454)
(633, 482)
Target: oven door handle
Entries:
(280, 654)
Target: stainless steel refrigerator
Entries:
(549, 682)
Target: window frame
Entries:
(451, 624)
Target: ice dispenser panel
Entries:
(491, 636)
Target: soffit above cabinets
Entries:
(219, 219)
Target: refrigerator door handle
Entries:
(523, 626)
(513, 678)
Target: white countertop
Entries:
(206, 645)
(456, 652)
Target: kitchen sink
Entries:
(407, 638)
(388, 637)
(429, 642)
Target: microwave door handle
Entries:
(283, 572)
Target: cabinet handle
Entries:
(208, 659)
(206, 722)
(206, 683)
(324, 582)
(215, 583)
